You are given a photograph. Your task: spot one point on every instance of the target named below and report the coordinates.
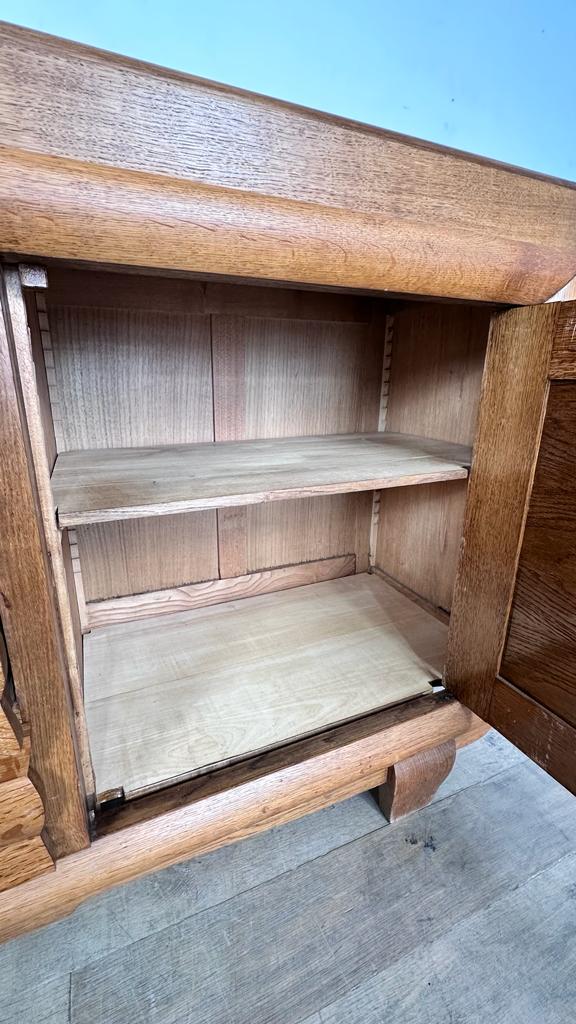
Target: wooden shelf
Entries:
(167, 698)
(125, 483)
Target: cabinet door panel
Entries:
(512, 642)
(540, 651)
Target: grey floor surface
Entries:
(463, 913)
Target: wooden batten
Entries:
(201, 595)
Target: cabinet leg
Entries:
(411, 784)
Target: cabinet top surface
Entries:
(132, 164)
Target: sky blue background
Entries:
(489, 76)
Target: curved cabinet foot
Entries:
(412, 783)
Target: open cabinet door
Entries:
(512, 640)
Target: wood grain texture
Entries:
(139, 555)
(23, 861)
(419, 537)
(308, 529)
(564, 294)
(112, 289)
(277, 378)
(107, 484)
(512, 406)
(283, 378)
(216, 591)
(30, 620)
(434, 389)
(117, 369)
(14, 743)
(563, 360)
(126, 374)
(539, 655)
(27, 348)
(182, 155)
(541, 734)
(237, 802)
(21, 812)
(169, 697)
(412, 783)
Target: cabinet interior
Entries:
(260, 492)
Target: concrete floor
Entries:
(463, 913)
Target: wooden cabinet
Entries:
(287, 487)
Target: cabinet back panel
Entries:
(128, 378)
(137, 555)
(435, 378)
(275, 378)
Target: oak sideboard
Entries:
(287, 466)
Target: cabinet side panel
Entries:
(437, 360)
(31, 622)
(539, 656)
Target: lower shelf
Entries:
(169, 697)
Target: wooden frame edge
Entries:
(238, 802)
(545, 737)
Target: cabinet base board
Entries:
(236, 802)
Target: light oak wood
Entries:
(137, 555)
(121, 483)
(281, 532)
(21, 812)
(117, 370)
(512, 407)
(40, 441)
(281, 378)
(185, 166)
(129, 374)
(121, 289)
(237, 802)
(30, 619)
(412, 783)
(539, 654)
(564, 294)
(14, 743)
(217, 591)
(434, 389)
(172, 696)
(23, 861)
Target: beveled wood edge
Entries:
(564, 294)
(202, 595)
(64, 209)
(540, 734)
(234, 803)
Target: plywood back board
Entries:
(436, 372)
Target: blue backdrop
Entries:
(493, 77)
